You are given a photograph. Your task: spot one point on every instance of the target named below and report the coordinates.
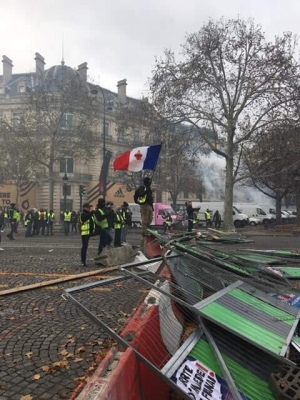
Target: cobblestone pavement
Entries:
(48, 348)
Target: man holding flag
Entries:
(139, 159)
(144, 198)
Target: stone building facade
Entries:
(14, 88)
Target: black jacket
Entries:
(190, 211)
(146, 190)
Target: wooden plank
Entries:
(56, 281)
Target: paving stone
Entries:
(43, 320)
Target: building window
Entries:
(16, 119)
(66, 121)
(136, 135)
(21, 89)
(121, 136)
(107, 133)
(66, 165)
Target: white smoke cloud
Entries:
(213, 170)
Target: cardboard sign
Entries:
(201, 383)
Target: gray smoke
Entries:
(213, 170)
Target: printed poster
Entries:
(290, 298)
(201, 383)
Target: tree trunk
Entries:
(278, 209)
(51, 178)
(174, 199)
(51, 191)
(228, 202)
(298, 202)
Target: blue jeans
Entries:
(105, 239)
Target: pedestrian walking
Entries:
(74, 221)
(67, 221)
(86, 226)
(101, 220)
(127, 218)
(217, 219)
(50, 222)
(144, 197)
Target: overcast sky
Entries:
(120, 38)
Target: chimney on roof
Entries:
(7, 69)
(82, 70)
(39, 64)
(122, 90)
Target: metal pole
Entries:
(80, 202)
(65, 196)
(298, 201)
(104, 132)
(104, 136)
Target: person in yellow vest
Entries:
(12, 215)
(28, 223)
(43, 221)
(67, 221)
(86, 227)
(168, 222)
(101, 221)
(50, 222)
(118, 225)
(6, 221)
(207, 218)
(144, 197)
(18, 218)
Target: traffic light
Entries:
(81, 190)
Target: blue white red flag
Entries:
(140, 158)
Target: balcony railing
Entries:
(75, 176)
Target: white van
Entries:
(239, 219)
(254, 210)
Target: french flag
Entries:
(140, 158)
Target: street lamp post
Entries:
(96, 91)
(65, 186)
(296, 175)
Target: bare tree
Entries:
(176, 170)
(272, 160)
(229, 79)
(58, 118)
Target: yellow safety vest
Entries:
(67, 216)
(51, 216)
(207, 215)
(85, 227)
(103, 223)
(142, 199)
(169, 221)
(118, 225)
